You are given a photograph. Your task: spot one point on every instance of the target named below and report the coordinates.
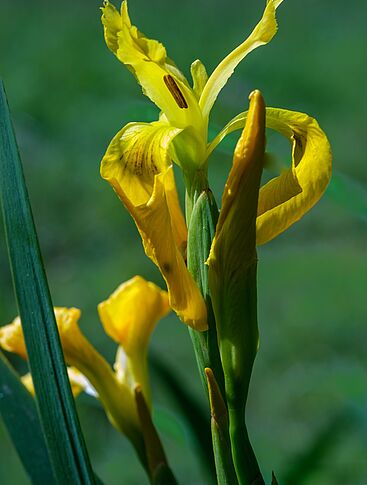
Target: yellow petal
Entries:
(285, 199)
(136, 165)
(131, 313)
(199, 77)
(12, 339)
(112, 23)
(261, 35)
(135, 155)
(129, 316)
(160, 79)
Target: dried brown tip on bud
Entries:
(217, 405)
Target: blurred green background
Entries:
(69, 96)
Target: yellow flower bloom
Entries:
(129, 316)
(117, 398)
(138, 161)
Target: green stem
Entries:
(247, 468)
(202, 216)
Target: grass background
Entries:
(69, 96)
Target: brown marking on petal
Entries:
(166, 267)
(175, 91)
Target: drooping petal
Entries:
(160, 79)
(285, 199)
(136, 164)
(135, 155)
(261, 35)
(131, 313)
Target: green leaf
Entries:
(56, 406)
(19, 413)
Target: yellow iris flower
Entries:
(138, 162)
(131, 328)
(129, 317)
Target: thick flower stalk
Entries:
(209, 260)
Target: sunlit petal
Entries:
(131, 313)
(136, 164)
(285, 199)
(159, 77)
(261, 35)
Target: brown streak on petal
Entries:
(175, 91)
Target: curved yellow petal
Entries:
(129, 316)
(285, 199)
(160, 79)
(131, 313)
(12, 339)
(138, 169)
(261, 35)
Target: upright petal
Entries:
(160, 79)
(129, 316)
(285, 199)
(131, 313)
(261, 35)
(136, 164)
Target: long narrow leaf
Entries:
(56, 406)
(19, 413)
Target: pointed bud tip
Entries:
(256, 97)
(217, 405)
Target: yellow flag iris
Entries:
(138, 162)
(129, 317)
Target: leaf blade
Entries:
(56, 406)
(19, 413)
